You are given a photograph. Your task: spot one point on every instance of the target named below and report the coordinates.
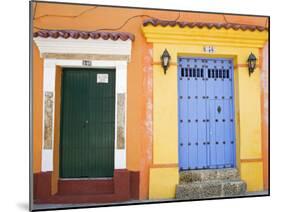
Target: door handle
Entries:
(85, 123)
(219, 109)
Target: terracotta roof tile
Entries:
(84, 34)
(157, 22)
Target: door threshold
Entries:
(90, 178)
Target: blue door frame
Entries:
(206, 113)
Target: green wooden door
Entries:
(87, 123)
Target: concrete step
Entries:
(210, 188)
(209, 174)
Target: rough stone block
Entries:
(187, 191)
(233, 188)
(211, 189)
(198, 184)
(211, 174)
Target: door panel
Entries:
(183, 122)
(219, 132)
(191, 117)
(87, 124)
(102, 119)
(212, 132)
(201, 115)
(73, 135)
(227, 127)
(205, 89)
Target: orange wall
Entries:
(264, 111)
(37, 109)
(139, 108)
(55, 174)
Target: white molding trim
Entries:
(47, 160)
(83, 46)
(121, 87)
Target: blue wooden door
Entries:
(206, 113)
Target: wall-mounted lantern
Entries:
(251, 63)
(165, 60)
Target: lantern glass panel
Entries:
(252, 64)
(165, 60)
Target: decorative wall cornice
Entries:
(205, 36)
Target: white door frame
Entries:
(58, 46)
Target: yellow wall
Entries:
(251, 172)
(247, 101)
(165, 150)
(250, 114)
(162, 182)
